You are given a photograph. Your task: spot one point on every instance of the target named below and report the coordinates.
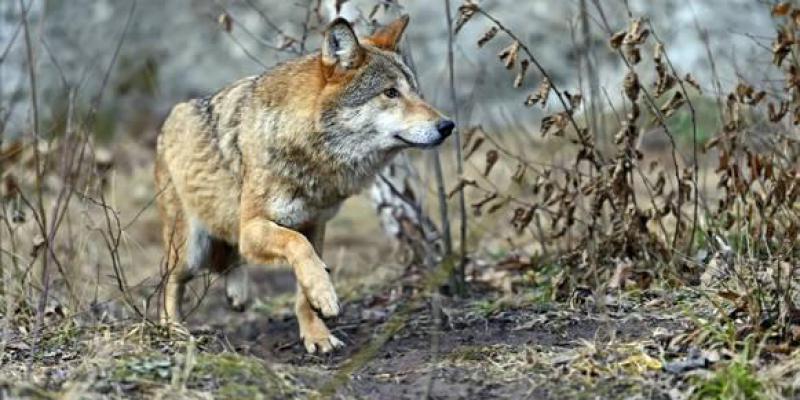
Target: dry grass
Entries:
(599, 262)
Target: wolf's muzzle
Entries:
(445, 127)
(418, 145)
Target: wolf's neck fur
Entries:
(322, 174)
(323, 163)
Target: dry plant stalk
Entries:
(650, 214)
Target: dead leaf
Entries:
(491, 160)
(637, 34)
(509, 55)
(522, 71)
(674, 104)
(555, 124)
(781, 9)
(616, 40)
(465, 13)
(488, 36)
(225, 22)
(541, 95)
(463, 183)
(632, 86)
(693, 83)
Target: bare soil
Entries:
(448, 359)
(535, 350)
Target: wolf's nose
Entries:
(445, 127)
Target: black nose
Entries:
(445, 127)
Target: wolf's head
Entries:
(371, 101)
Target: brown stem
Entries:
(458, 280)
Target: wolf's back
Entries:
(203, 163)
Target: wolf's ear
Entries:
(340, 46)
(388, 37)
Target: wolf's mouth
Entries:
(420, 145)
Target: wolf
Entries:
(252, 173)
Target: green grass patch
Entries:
(706, 117)
(733, 382)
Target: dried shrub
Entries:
(609, 206)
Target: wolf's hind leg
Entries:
(199, 246)
(173, 294)
(175, 279)
(236, 287)
(174, 236)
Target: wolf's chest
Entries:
(298, 213)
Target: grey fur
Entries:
(382, 72)
(340, 44)
(200, 245)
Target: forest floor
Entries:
(480, 347)
(636, 345)
(661, 342)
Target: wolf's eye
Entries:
(391, 93)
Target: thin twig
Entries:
(458, 281)
(38, 185)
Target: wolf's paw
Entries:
(324, 345)
(236, 304)
(173, 327)
(167, 320)
(322, 298)
(321, 295)
(236, 288)
(317, 337)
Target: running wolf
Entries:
(252, 173)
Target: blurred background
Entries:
(110, 70)
(640, 207)
(179, 49)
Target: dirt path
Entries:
(480, 347)
(536, 351)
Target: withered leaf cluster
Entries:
(465, 13)
(630, 40)
(488, 36)
(541, 94)
(509, 55)
(611, 203)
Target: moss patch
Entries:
(235, 376)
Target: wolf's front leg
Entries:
(262, 240)
(313, 331)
